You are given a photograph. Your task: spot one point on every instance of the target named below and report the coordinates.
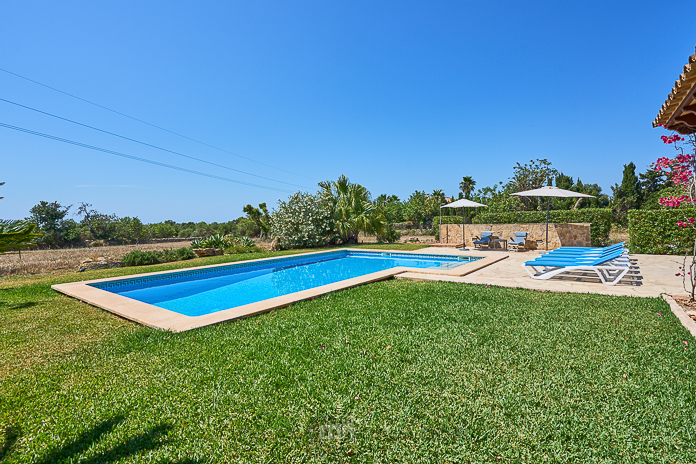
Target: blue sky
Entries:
(398, 96)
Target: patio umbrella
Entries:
(463, 203)
(549, 192)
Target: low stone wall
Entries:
(562, 234)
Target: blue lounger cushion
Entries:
(609, 267)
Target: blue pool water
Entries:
(202, 291)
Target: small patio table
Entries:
(500, 241)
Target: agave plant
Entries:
(245, 242)
(198, 243)
(17, 235)
(216, 241)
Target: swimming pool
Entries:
(202, 291)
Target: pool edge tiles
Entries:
(160, 318)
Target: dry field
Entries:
(68, 260)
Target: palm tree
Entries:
(438, 196)
(17, 235)
(467, 186)
(352, 210)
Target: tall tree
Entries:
(420, 208)
(100, 226)
(391, 207)
(51, 222)
(536, 174)
(467, 186)
(260, 216)
(628, 194)
(48, 216)
(630, 184)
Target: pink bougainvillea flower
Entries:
(659, 314)
(686, 343)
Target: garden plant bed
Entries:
(406, 371)
(687, 304)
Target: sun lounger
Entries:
(610, 267)
(614, 247)
(520, 241)
(486, 239)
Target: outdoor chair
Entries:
(610, 266)
(519, 241)
(486, 239)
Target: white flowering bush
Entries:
(302, 222)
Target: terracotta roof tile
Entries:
(671, 114)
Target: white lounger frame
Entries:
(610, 273)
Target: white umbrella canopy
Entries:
(549, 192)
(463, 203)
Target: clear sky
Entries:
(397, 95)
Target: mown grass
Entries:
(418, 371)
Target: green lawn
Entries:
(403, 371)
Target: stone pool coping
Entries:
(160, 318)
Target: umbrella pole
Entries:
(548, 204)
(439, 231)
(463, 239)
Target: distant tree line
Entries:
(60, 230)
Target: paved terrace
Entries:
(650, 275)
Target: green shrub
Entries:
(656, 232)
(184, 253)
(390, 235)
(302, 222)
(168, 255)
(141, 258)
(600, 218)
(144, 258)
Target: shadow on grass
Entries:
(146, 441)
(28, 304)
(11, 436)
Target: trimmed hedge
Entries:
(656, 232)
(600, 218)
